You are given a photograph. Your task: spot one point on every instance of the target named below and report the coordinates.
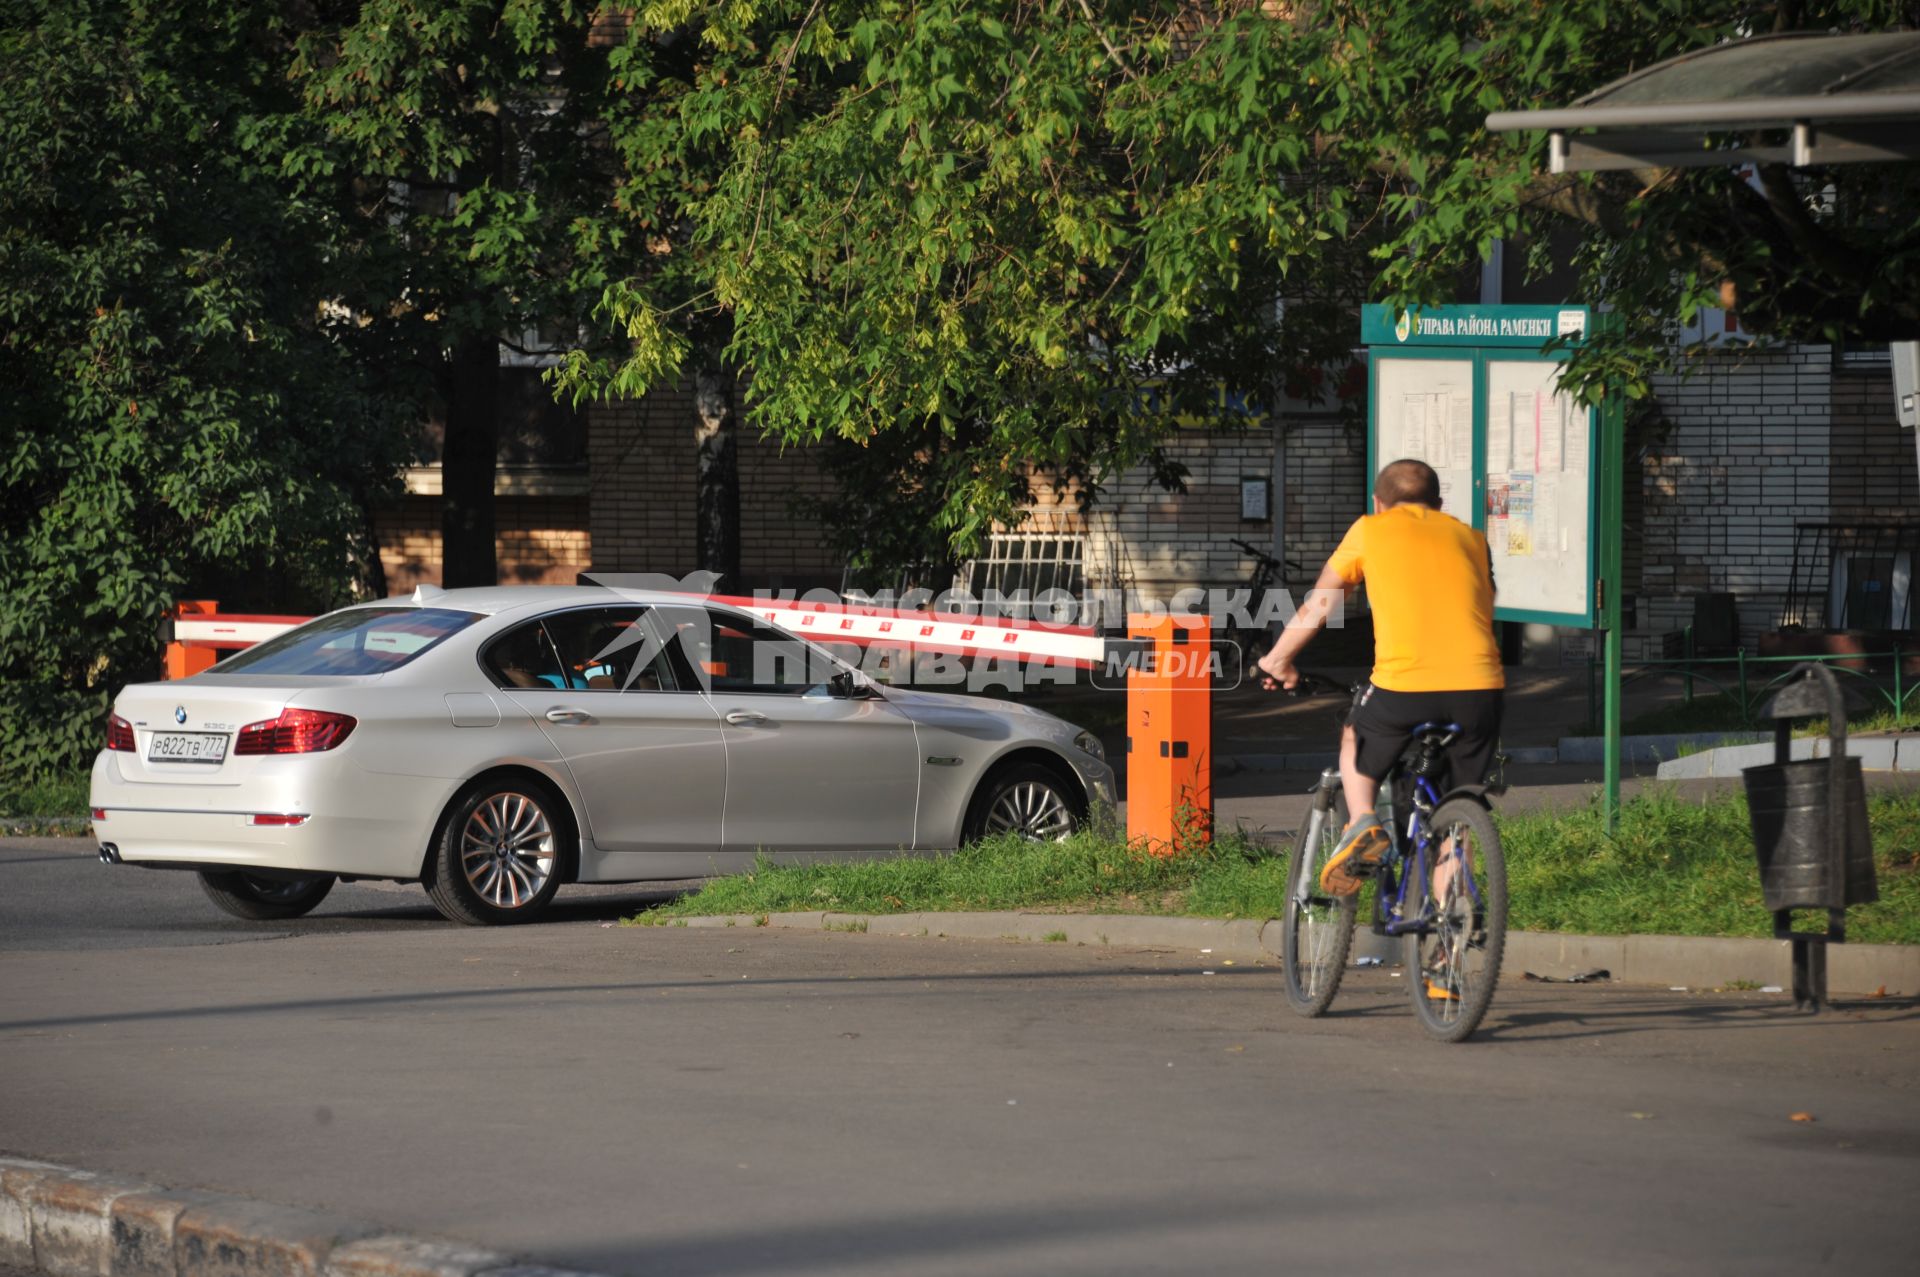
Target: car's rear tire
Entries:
(1029, 800)
(258, 899)
(500, 852)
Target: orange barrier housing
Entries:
(1170, 734)
(184, 660)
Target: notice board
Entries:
(1469, 390)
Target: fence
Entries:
(1735, 676)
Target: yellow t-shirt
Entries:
(1431, 587)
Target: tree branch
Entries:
(1112, 52)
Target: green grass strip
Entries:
(66, 796)
(1677, 867)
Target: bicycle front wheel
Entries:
(1317, 929)
(1452, 968)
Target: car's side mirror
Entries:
(849, 686)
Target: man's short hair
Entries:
(1405, 481)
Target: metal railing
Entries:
(1745, 678)
(1855, 576)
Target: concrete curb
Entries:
(1876, 753)
(1648, 748)
(1697, 962)
(74, 1223)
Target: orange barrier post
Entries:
(183, 660)
(1170, 734)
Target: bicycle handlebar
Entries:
(1312, 684)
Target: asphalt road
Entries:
(667, 1100)
(54, 895)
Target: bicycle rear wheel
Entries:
(1317, 929)
(1452, 970)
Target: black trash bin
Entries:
(1810, 827)
(1789, 805)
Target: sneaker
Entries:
(1359, 850)
(1438, 974)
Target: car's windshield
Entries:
(357, 641)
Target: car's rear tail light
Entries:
(120, 734)
(275, 818)
(296, 731)
(99, 813)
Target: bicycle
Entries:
(1452, 946)
(1254, 639)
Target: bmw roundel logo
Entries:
(179, 713)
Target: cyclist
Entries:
(1429, 578)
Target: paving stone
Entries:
(398, 1256)
(71, 1220)
(140, 1232)
(17, 1176)
(237, 1238)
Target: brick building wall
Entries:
(1873, 476)
(1328, 489)
(1748, 457)
(537, 540)
(1143, 538)
(641, 456)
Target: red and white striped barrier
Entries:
(221, 630)
(936, 631)
(823, 622)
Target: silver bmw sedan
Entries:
(493, 744)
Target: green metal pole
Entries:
(1899, 709)
(1593, 692)
(1740, 654)
(1689, 653)
(1613, 464)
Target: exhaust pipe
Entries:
(109, 854)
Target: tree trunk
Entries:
(376, 574)
(470, 385)
(717, 476)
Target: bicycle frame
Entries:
(1424, 798)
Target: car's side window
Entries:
(733, 654)
(523, 658)
(610, 650)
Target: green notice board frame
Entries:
(1429, 373)
(1478, 354)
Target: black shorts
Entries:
(1384, 722)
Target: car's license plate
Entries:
(187, 747)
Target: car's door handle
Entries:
(567, 714)
(745, 717)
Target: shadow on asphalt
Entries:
(836, 980)
(1623, 1013)
(943, 1235)
(1612, 1020)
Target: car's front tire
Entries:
(258, 899)
(1028, 800)
(500, 853)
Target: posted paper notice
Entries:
(1526, 431)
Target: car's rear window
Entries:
(368, 640)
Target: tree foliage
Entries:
(1825, 254)
(974, 236)
(177, 414)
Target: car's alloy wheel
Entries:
(500, 853)
(507, 850)
(258, 899)
(1029, 802)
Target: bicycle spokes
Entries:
(1453, 950)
